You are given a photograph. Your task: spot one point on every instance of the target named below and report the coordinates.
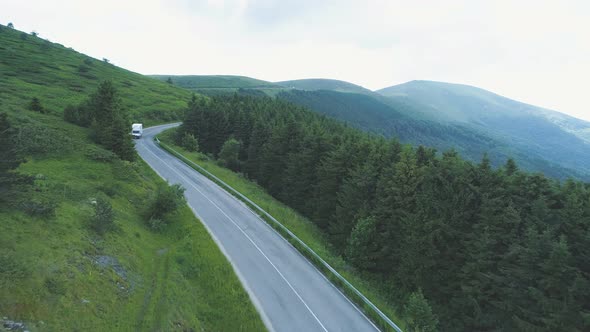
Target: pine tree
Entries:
(121, 143)
(228, 156)
(258, 138)
(273, 159)
(556, 283)
(300, 176)
(110, 126)
(36, 106)
(193, 117)
(355, 201)
(331, 173)
(189, 142)
(418, 314)
(364, 250)
(510, 168)
(105, 104)
(213, 130)
(425, 156)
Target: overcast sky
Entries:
(530, 50)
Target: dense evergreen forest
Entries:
(490, 249)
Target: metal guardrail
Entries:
(378, 314)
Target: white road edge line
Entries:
(253, 297)
(245, 284)
(246, 235)
(305, 258)
(299, 253)
(310, 264)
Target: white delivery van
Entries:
(137, 130)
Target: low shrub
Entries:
(165, 200)
(83, 68)
(39, 208)
(12, 269)
(156, 224)
(80, 115)
(55, 285)
(35, 139)
(35, 105)
(98, 154)
(125, 170)
(189, 142)
(110, 189)
(103, 219)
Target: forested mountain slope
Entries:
(486, 248)
(397, 118)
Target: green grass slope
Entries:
(56, 273)
(222, 84)
(59, 76)
(192, 82)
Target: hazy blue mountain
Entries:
(463, 103)
(551, 135)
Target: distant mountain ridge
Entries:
(314, 84)
(442, 115)
(548, 134)
(439, 100)
(216, 81)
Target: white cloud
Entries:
(534, 51)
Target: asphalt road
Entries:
(288, 291)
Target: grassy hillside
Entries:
(56, 272)
(313, 84)
(214, 81)
(59, 76)
(224, 84)
(220, 84)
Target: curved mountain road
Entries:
(288, 291)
